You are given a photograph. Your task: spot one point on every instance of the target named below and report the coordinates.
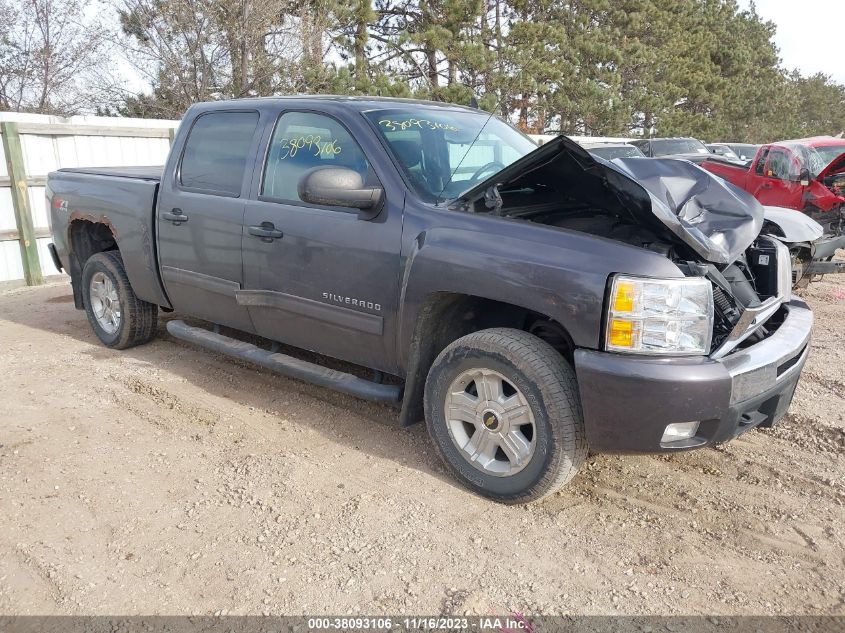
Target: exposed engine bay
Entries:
(836, 183)
(705, 226)
(745, 283)
(755, 277)
(602, 224)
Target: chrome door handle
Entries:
(177, 217)
(266, 231)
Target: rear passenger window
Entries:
(216, 152)
(303, 141)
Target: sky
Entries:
(810, 33)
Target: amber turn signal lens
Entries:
(624, 299)
(621, 333)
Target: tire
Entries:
(136, 320)
(528, 371)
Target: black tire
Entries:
(548, 384)
(138, 319)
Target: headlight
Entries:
(660, 316)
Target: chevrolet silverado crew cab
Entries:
(528, 303)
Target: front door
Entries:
(780, 184)
(321, 278)
(200, 218)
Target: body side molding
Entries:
(336, 315)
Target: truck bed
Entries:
(744, 165)
(124, 199)
(735, 173)
(139, 173)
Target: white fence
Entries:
(35, 145)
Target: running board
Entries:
(286, 365)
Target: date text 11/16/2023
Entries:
(501, 624)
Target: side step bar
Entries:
(287, 365)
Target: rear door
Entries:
(320, 277)
(200, 217)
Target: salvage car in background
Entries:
(609, 151)
(806, 175)
(688, 148)
(744, 151)
(799, 233)
(724, 151)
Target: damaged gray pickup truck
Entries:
(530, 304)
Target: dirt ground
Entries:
(169, 480)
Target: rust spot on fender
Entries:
(78, 214)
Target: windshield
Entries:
(667, 147)
(445, 152)
(820, 157)
(615, 151)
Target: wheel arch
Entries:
(445, 317)
(86, 238)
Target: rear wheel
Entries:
(503, 411)
(118, 318)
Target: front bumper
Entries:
(827, 246)
(629, 400)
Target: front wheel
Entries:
(503, 411)
(118, 318)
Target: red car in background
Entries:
(807, 175)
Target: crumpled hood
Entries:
(718, 220)
(715, 218)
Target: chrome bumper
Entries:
(629, 400)
(776, 359)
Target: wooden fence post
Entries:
(20, 202)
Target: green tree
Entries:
(820, 105)
(609, 67)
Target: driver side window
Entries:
(303, 141)
(778, 165)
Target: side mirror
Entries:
(338, 187)
(804, 177)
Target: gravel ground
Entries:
(169, 480)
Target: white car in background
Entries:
(609, 151)
(606, 147)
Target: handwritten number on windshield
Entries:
(313, 143)
(393, 125)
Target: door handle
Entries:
(767, 185)
(266, 231)
(177, 217)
